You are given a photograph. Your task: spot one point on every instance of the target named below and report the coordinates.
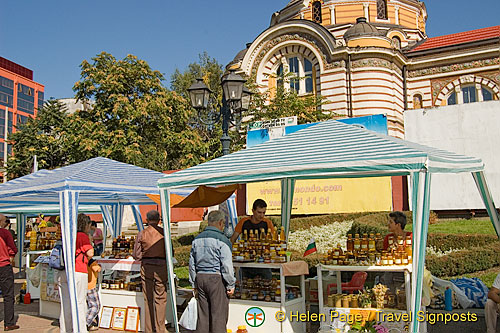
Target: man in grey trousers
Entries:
(211, 274)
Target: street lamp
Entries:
(236, 99)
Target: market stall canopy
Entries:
(329, 149)
(99, 180)
(45, 209)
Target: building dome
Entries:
(361, 29)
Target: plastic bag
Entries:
(34, 275)
(189, 317)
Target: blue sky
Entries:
(53, 37)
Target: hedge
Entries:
(445, 242)
(182, 255)
(469, 260)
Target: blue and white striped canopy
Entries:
(330, 149)
(100, 181)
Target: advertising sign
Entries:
(325, 196)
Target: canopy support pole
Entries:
(68, 203)
(421, 211)
(117, 216)
(138, 217)
(166, 213)
(487, 199)
(21, 230)
(287, 187)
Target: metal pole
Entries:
(225, 139)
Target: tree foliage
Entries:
(44, 136)
(135, 119)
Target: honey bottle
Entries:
(408, 248)
(371, 243)
(245, 235)
(379, 243)
(357, 242)
(364, 243)
(350, 243)
(282, 235)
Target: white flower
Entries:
(326, 237)
(430, 250)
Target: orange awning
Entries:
(174, 198)
(205, 196)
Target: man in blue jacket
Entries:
(211, 274)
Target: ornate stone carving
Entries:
(454, 67)
(375, 62)
(288, 37)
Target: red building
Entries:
(20, 98)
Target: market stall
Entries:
(98, 181)
(334, 150)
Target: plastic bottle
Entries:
(447, 300)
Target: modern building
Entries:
(20, 98)
(367, 57)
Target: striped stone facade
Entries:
(382, 64)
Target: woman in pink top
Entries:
(97, 238)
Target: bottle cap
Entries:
(242, 327)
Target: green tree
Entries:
(134, 119)
(43, 136)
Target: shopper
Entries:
(211, 274)
(97, 238)
(492, 307)
(150, 250)
(7, 252)
(93, 301)
(84, 251)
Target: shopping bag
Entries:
(189, 317)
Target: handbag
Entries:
(189, 317)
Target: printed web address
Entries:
(304, 189)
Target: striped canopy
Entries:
(328, 149)
(99, 181)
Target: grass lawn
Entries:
(461, 226)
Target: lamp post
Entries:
(235, 100)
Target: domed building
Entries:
(367, 57)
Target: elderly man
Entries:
(7, 252)
(211, 274)
(150, 250)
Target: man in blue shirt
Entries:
(211, 274)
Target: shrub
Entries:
(445, 242)
(203, 225)
(182, 255)
(465, 261)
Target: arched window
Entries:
(382, 9)
(299, 74)
(469, 93)
(417, 101)
(316, 12)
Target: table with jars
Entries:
(120, 279)
(383, 294)
(266, 282)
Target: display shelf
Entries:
(338, 269)
(373, 268)
(238, 307)
(121, 292)
(256, 265)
